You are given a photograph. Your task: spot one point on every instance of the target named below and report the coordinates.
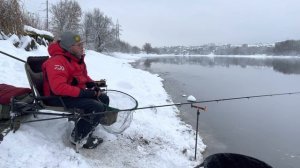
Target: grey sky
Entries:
(196, 22)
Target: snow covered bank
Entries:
(37, 31)
(156, 138)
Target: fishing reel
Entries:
(101, 83)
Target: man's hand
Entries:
(97, 91)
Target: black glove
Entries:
(87, 93)
(93, 86)
(90, 84)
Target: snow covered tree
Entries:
(66, 17)
(98, 30)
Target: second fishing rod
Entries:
(192, 103)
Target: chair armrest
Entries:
(47, 97)
(42, 98)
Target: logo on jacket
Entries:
(59, 67)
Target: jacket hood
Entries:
(54, 49)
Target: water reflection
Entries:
(266, 128)
(283, 65)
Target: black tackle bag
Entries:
(7, 92)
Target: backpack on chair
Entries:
(21, 95)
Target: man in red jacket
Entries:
(65, 75)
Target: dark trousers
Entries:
(89, 105)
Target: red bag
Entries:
(9, 91)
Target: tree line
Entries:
(97, 29)
(102, 34)
(287, 47)
(13, 17)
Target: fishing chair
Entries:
(33, 68)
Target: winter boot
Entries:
(92, 142)
(89, 142)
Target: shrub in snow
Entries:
(42, 41)
(4, 37)
(32, 39)
(25, 43)
(14, 39)
(36, 33)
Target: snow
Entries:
(13, 39)
(25, 41)
(191, 98)
(156, 137)
(37, 31)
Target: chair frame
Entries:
(38, 105)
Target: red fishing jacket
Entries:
(64, 74)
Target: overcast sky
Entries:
(196, 22)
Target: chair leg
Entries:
(77, 146)
(76, 138)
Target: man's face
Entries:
(77, 49)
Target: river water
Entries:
(265, 128)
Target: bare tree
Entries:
(87, 27)
(135, 50)
(11, 20)
(147, 48)
(33, 20)
(66, 17)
